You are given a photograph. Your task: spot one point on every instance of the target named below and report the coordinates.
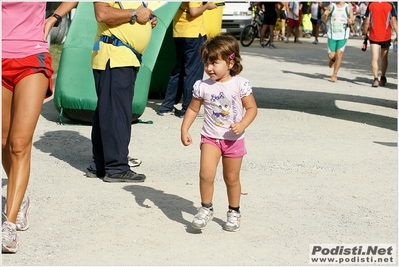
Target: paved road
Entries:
(321, 169)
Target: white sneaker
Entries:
(315, 41)
(9, 237)
(233, 221)
(166, 113)
(133, 162)
(22, 216)
(203, 216)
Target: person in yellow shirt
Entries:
(124, 32)
(189, 34)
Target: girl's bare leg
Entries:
(21, 112)
(210, 156)
(231, 175)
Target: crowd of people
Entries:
(377, 22)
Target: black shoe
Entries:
(95, 174)
(383, 80)
(128, 176)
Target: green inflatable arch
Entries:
(75, 97)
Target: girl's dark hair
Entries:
(224, 46)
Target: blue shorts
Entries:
(229, 148)
(315, 21)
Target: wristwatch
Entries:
(134, 17)
(58, 17)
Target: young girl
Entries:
(225, 96)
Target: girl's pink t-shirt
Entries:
(222, 105)
(23, 29)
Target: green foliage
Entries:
(55, 51)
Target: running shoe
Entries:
(262, 45)
(133, 162)
(383, 81)
(95, 174)
(334, 78)
(331, 63)
(376, 83)
(9, 237)
(297, 41)
(128, 176)
(22, 223)
(315, 41)
(166, 113)
(272, 46)
(203, 216)
(233, 221)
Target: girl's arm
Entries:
(62, 10)
(251, 110)
(188, 120)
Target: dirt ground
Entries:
(321, 168)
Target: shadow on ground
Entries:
(323, 104)
(171, 205)
(68, 146)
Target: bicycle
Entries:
(358, 27)
(252, 31)
(322, 29)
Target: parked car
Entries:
(236, 15)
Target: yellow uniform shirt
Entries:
(136, 35)
(187, 26)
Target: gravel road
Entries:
(321, 168)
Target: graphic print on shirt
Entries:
(220, 109)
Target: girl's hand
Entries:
(237, 128)
(186, 139)
(48, 25)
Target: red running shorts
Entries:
(15, 69)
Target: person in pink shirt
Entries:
(26, 82)
(229, 108)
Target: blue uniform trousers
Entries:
(187, 70)
(111, 129)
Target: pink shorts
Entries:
(229, 148)
(15, 69)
